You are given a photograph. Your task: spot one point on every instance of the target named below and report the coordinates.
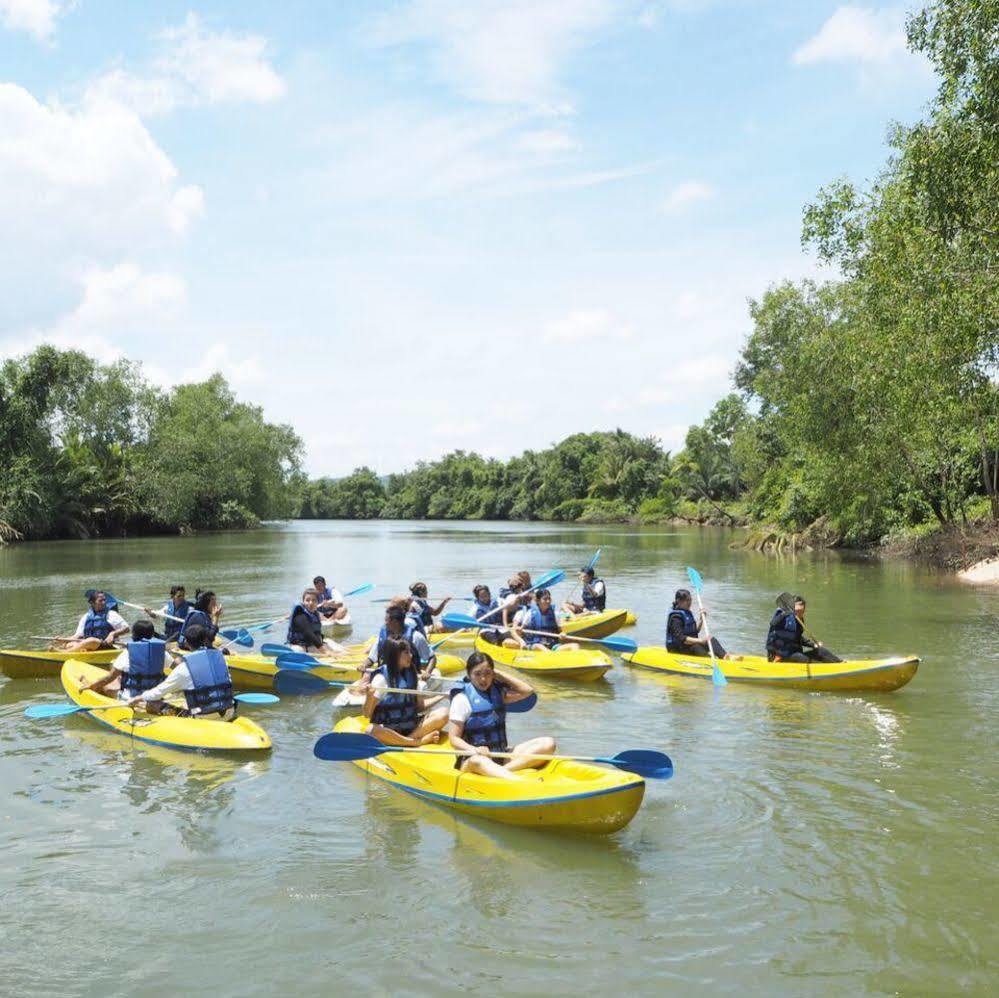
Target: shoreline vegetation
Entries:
(863, 414)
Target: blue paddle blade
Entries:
(41, 710)
(643, 762)
(695, 579)
(522, 706)
(623, 646)
(717, 676)
(240, 637)
(594, 560)
(366, 588)
(459, 621)
(296, 683)
(272, 651)
(348, 747)
(549, 579)
(297, 662)
(259, 698)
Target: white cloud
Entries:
(684, 195)
(586, 324)
(548, 141)
(856, 34)
(196, 67)
(500, 51)
(36, 17)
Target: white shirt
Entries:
(597, 588)
(115, 619)
(461, 709)
(507, 603)
(178, 681)
(520, 618)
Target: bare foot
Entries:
(431, 739)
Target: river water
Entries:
(809, 844)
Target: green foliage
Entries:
(92, 450)
(359, 496)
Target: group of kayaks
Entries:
(562, 794)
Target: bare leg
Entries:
(434, 721)
(567, 646)
(482, 765)
(523, 754)
(83, 644)
(389, 737)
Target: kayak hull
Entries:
(337, 628)
(48, 664)
(241, 736)
(862, 675)
(630, 620)
(585, 665)
(595, 625)
(562, 796)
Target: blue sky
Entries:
(410, 227)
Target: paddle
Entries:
(717, 676)
(549, 579)
(155, 613)
(45, 710)
(293, 683)
(299, 661)
(241, 637)
(620, 645)
(431, 599)
(350, 747)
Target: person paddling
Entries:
(398, 624)
(202, 676)
(176, 606)
(206, 614)
(331, 604)
(514, 637)
(477, 722)
(420, 607)
(594, 594)
(395, 717)
(787, 641)
(683, 629)
(140, 667)
(98, 628)
(540, 628)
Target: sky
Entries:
(416, 226)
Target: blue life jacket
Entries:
(311, 638)
(784, 635)
(416, 622)
(97, 625)
(486, 724)
(398, 711)
(212, 691)
(481, 609)
(146, 660)
(326, 594)
(200, 618)
(593, 602)
(409, 629)
(423, 614)
(538, 621)
(689, 628)
(171, 628)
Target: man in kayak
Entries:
(683, 629)
(331, 604)
(421, 608)
(787, 640)
(175, 606)
(395, 716)
(540, 629)
(98, 628)
(477, 722)
(202, 676)
(594, 594)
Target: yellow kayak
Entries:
(583, 665)
(601, 624)
(192, 733)
(562, 796)
(49, 663)
(876, 674)
(630, 620)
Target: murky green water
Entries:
(809, 844)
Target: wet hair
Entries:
(477, 658)
(196, 637)
(177, 589)
(392, 651)
(317, 580)
(202, 601)
(418, 589)
(540, 594)
(480, 588)
(143, 630)
(309, 592)
(681, 594)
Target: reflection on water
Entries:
(809, 843)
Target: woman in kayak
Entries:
(787, 641)
(202, 676)
(331, 604)
(98, 628)
(485, 605)
(395, 717)
(540, 628)
(477, 722)
(683, 629)
(513, 638)
(206, 614)
(140, 667)
(420, 607)
(175, 606)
